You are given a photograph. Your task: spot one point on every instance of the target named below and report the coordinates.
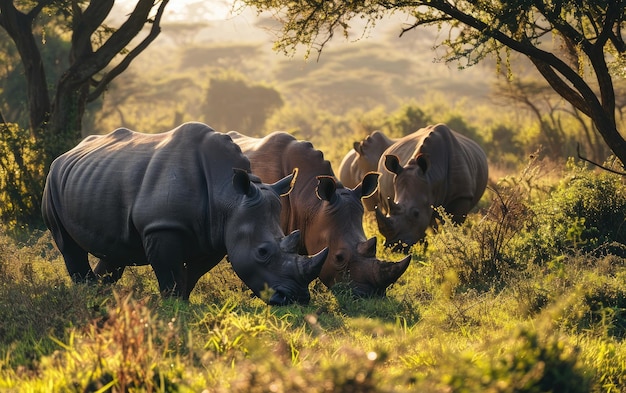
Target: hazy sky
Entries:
(196, 10)
(186, 10)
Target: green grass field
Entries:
(528, 295)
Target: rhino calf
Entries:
(180, 201)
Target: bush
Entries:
(22, 177)
(586, 212)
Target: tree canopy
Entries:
(586, 36)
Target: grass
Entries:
(473, 313)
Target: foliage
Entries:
(22, 177)
(233, 104)
(586, 212)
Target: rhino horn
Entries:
(384, 222)
(394, 208)
(312, 266)
(390, 272)
(368, 247)
(290, 242)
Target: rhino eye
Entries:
(340, 260)
(264, 253)
(415, 213)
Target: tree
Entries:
(97, 54)
(233, 104)
(581, 69)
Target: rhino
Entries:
(327, 213)
(362, 159)
(434, 166)
(179, 201)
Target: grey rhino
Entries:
(180, 201)
(362, 159)
(327, 213)
(434, 166)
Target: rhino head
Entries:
(351, 257)
(410, 213)
(261, 255)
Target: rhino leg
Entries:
(76, 259)
(458, 209)
(198, 268)
(108, 272)
(165, 253)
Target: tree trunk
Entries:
(610, 134)
(64, 127)
(18, 25)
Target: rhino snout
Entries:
(283, 298)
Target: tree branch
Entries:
(424, 22)
(596, 164)
(123, 65)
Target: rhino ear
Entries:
(422, 161)
(367, 248)
(392, 164)
(241, 181)
(368, 185)
(326, 188)
(285, 185)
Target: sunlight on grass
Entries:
(475, 311)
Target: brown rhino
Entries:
(327, 213)
(431, 167)
(179, 201)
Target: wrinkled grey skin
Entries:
(431, 167)
(179, 201)
(327, 213)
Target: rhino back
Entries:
(469, 169)
(279, 153)
(349, 172)
(112, 189)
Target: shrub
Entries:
(21, 177)
(586, 212)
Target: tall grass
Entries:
(477, 311)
